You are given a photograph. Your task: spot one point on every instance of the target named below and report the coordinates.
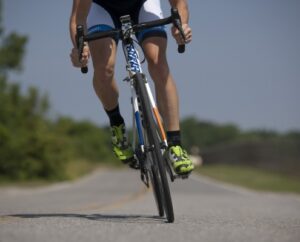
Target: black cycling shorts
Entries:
(105, 15)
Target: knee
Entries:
(158, 68)
(104, 73)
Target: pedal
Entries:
(132, 163)
(183, 176)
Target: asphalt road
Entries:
(113, 205)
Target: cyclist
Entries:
(101, 15)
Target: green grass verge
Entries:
(78, 168)
(252, 178)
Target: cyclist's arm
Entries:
(80, 10)
(183, 10)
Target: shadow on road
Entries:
(127, 218)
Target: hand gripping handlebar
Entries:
(80, 45)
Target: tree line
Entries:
(206, 134)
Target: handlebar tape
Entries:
(177, 22)
(80, 45)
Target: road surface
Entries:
(114, 205)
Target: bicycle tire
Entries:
(157, 191)
(153, 137)
(154, 178)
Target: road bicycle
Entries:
(149, 139)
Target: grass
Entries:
(252, 178)
(78, 168)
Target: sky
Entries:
(242, 66)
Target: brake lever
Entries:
(177, 23)
(80, 45)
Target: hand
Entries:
(187, 32)
(85, 57)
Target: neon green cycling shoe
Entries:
(180, 160)
(121, 147)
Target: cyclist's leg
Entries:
(167, 98)
(154, 43)
(165, 87)
(103, 54)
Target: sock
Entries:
(174, 138)
(115, 117)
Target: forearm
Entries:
(78, 16)
(72, 28)
(183, 10)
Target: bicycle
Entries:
(149, 139)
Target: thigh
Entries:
(103, 54)
(155, 49)
(103, 51)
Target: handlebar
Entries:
(80, 45)
(178, 25)
(174, 18)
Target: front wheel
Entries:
(154, 142)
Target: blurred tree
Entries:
(204, 134)
(12, 49)
(12, 52)
(27, 148)
(32, 146)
